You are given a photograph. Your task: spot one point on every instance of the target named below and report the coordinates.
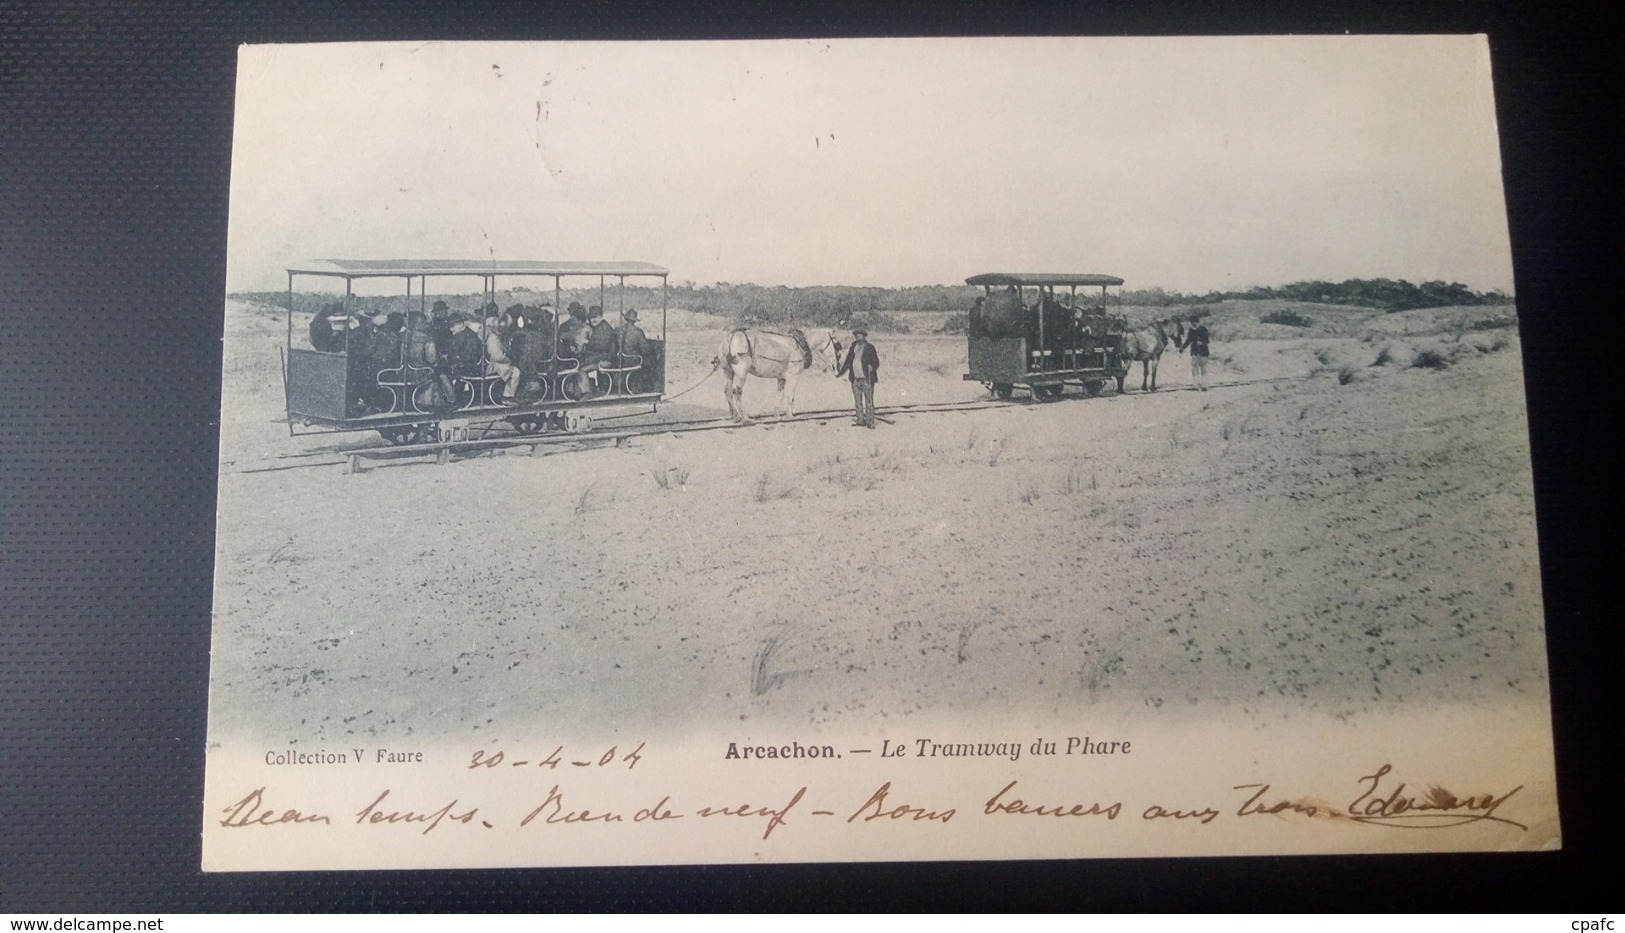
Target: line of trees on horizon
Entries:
(848, 305)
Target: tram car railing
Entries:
(1021, 333)
(340, 385)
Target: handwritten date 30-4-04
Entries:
(1377, 801)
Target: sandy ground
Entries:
(1292, 540)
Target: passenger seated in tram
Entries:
(598, 347)
(545, 329)
(360, 379)
(465, 355)
(327, 328)
(382, 351)
(419, 365)
(1003, 314)
(530, 354)
(572, 330)
(633, 342)
(497, 362)
(440, 326)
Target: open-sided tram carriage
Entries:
(1021, 334)
(343, 388)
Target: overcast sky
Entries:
(1187, 164)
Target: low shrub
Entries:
(1289, 318)
(1428, 358)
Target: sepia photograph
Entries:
(855, 450)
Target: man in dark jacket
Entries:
(633, 340)
(440, 326)
(383, 353)
(466, 355)
(598, 349)
(862, 367)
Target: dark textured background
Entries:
(116, 135)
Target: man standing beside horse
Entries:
(862, 367)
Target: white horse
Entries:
(783, 357)
(1146, 345)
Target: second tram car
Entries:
(1021, 333)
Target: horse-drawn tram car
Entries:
(402, 366)
(1022, 335)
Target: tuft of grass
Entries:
(1029, 494)
(971, 440)
(666, 477)
(1429, 358)
(284, 554)
(768, 491)
(1073, 482)
(850, 479)
(1228, 428)
(589, 501)
(1345, 375)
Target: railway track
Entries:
(477, 435)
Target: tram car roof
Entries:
(1043, 278)
(396, 268)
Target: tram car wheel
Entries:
(1002, 390)
(405, 434)
(529, 424)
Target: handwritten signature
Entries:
(1436, 809)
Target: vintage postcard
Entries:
(652, 453)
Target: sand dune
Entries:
(1315, 533)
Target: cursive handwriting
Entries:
(996, 804)
(1437, 809)
(1204, 816)
(777, 817)
(1253, 808)
(247, 812)
(553, 812)
(876, 805)
(371, 814)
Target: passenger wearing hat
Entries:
(633, 342)
(572, 332)
(862, 367)
(383, 352)
(598, 348)
(440, 325)
(327, 328)
(465, 354)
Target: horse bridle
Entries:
(831, 344)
